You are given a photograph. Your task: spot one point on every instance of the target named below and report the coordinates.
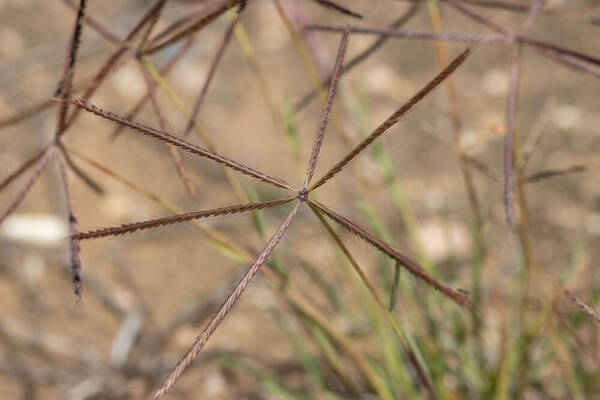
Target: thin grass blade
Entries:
(226, 307)
(569, 61)
(457, 4)
(551, 173)
(65, 85)
(95, 25)
(165, 137)
(394, 118)
(509, 144)
(480, 166)
(24, 167)
(211, 71)
(213, 12)
(320, 135)
(584, 307)
(177, 219)
(40, 166)
(220, 241)
(162, 122)
(337, 7)
(293, 297)
(114, 58)
(73, 231)
(362, 56)
(405, 34)
(291, 128)
(85, 178)
(560, 50)
(28, 112)
(164, 71)
(395, 288)
(409, 264)
(373, 291)
(534, 11)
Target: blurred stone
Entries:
(214, 384)
(120, 206)
(434, 199)
(191, 77)
(184, 336)
(382, 80)
(129, 82)
(272, 36)
(11, 42)
(33, 267)
(442, 240)
(556, 3)
(262, 298)
(592, 224)
(568, 217)
(44, 230)
(495, 83)
(125, 339)
(5, 108)
(567, 116)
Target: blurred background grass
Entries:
(156, 288)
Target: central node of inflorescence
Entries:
(303, 194)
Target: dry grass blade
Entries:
(91, 183)
(569, 61)
(295, 299)
(178, 23)
(30, 111)
(176, 219)
(211, 72)
(165, 137)
(409, 264)
(320, 135)
(480, 166)
(558, 49)
(427, 35)
(362, 56)
(97, 80)
(146, 18)
(534, 11)
(551, 173)
(40, 166)
(502, 5)
(337, 7)
(525, 8)
(95, 25)
(113, 59)
(212, 233)
(147, 30)
(73, 231)
(394, 118)
(39, 106)
(224, 310)
(162, 122)
(182, 171)
(584, 307)
(478, 17)
(423, 378)
(213, 12)
(64, 87)
(164, 71)
(435, 21)
(24, 167)
(509, 136)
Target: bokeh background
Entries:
(147, 295)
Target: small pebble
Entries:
(495, 83)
